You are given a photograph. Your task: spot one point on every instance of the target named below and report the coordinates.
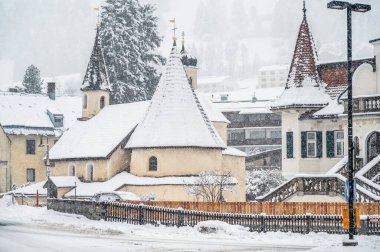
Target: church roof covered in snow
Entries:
(175, 117)
(303, 86)
(99, 136)
(96, 77)
(27, 114)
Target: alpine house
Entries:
(158, 146)
(314, 126)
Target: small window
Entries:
(30, 175)
(102, 102)
(311, 144)
(85, 101)
(90, 172)
(152, 164)
(339, 143)
(72, 170)
(31, 147)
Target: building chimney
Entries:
(51, 90)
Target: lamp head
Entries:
(338, 5)
(361, 7)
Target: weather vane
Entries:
(174, 28)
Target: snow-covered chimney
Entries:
(51, 90)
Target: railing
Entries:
(364, 104)
(140, 214)
(315, 185)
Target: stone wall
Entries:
(91, 210)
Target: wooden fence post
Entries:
(262, 220)
(308, 222)
(180, 221)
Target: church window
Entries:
(102, 102)
(85, 101)
(30, 175)
(90, 172)
(72, 170)
(153, 163)
(30, 147)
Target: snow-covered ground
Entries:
(25, 228)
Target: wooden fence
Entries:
(269, 208)
(143, 214)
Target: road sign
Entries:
(347, 190)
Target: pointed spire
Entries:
(96, 77)
(174, 28)
(303, 66)
(175, 117)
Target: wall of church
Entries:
(91, 102)
(192, 72)
(221, 128)
(364, 81)
(4, 162)
(175, 161)
(20, 161)
(236, 165)
(103, 169)
(173, 193)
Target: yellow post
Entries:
(345, 218)
(357, 214)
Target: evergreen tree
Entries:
(32, 80)
(129, 38)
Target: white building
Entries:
(272, 76)
(314, 128)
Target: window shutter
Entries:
(319, 144)
(303, 144)
(330, 151)
(289, 144)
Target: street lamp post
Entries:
(340, 5)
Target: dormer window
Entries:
(56, 118)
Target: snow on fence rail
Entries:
(270, 208)
(140, 214)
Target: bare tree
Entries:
(210, 186)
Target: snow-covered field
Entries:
(25, 228)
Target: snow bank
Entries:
(215, 226)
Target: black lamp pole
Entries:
(340, 5)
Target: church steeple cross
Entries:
(173, 29)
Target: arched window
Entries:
(102, 102)
(85, 101)
(72, 170)
(153, 163)
(90, 172)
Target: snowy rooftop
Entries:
(247, 94)
(110, 127)
(212, 79)
(64, 181)
(125, 178)
(332, 109)
(175, 117)
(244, 107)
(230, 151)
(27, 113)
(306, 95)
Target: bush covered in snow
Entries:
(259, 182)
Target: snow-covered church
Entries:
(314, 126)
(158, 146)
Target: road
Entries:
(35, 237)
